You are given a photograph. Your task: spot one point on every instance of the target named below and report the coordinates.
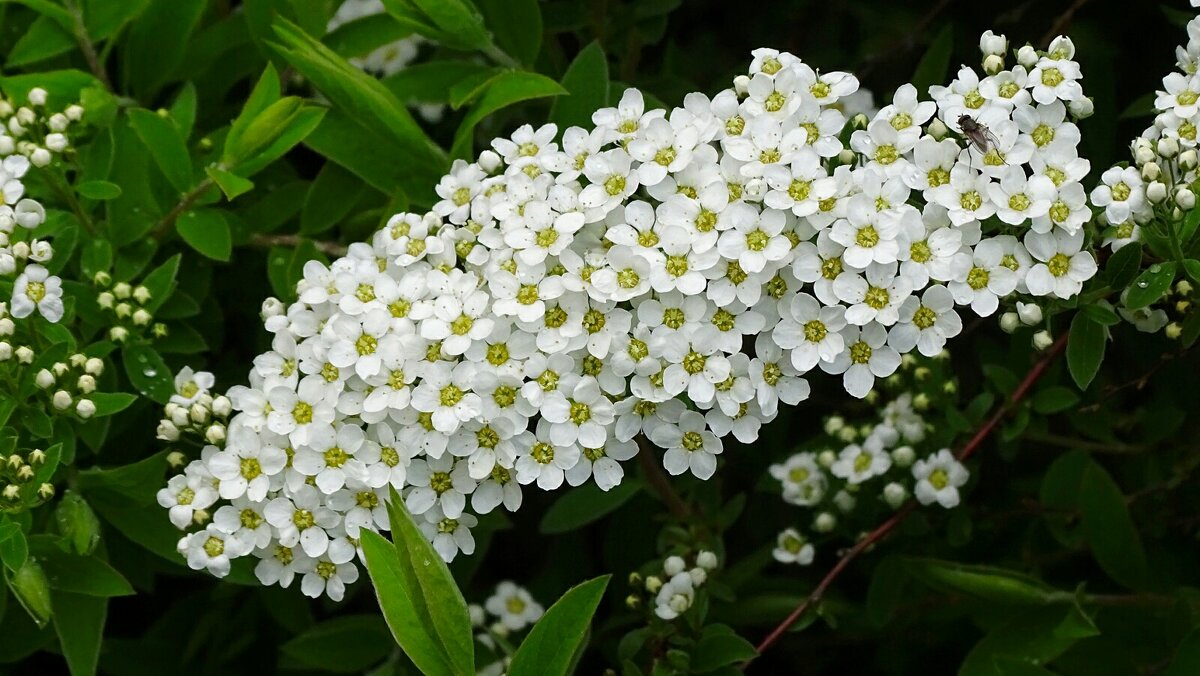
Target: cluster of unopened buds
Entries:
(32, 131)
(663, 279)
(129, 306)
(673, 592)
(70, 383)
(881, 455)
(193, 410)
(17, 474)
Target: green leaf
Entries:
(585, 504)
(371, 158)
(719, 646)
(103, 18)
(156, 44)
(454, 23)
(426, 82)
(364, 35)
(14, 548)
(99, 190)
(516, 27)
(166, 146)
(1036, 636)
(206, 231)
(332, 195)
(366, 103)
(297, 128)
(886, 590)
(96, 256)
(556, 638)
(1109, 529)
(183, 110)
(1187, 656)
(28, 584)
(507, 88)
(402, 605)
(349, 644)
(135, 484)
(161, 282)
(230, 184)
(1124, 266)
(148, 372)
(262, 130)
(1054, 399)
(1150, 285)
(79, 623)
(265, 93)
(933, 66)
(989, 583)
(1085, 349)
(1192, 267)
(44, 39)
(78, 574)
(63, 87)
(108, 403)
(587, 81)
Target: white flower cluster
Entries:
(29, 136)
(511, 608)
(817, 480)
(674, 591)
(663, 276)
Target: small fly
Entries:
(976, 133)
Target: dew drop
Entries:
(1142, 285)
(149, 373)
(1155, 268)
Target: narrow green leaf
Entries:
(14, 548)
(87, 575)
(262, 130)
(148, 372)
(719, 646)
(266, 92)
(348, 644)
(44, 39)
(206, 231)
(506, 89)
(552, 643)
(1150, 285)
(1109, 529)
(230, 184)
(99, 190)
(161, 282)
(989, 583)
(585, 504)
(183, 110)
(166, 146)
(516, 27)
(1192, 267)
(1085, 349)
(394, 583)
(108, 403)
(1054, 399)
(79, 623)
(1124, 266)
(587, 81)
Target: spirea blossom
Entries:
(666, 278)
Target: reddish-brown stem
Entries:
(659, 483)
(894, 520)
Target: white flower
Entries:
(329, 578)
(865, 358)
(442, 482)
(938, 479)
(1062, 268)
(36, 288)
(926, 323)
(513, 606)
(449, 536)
(804, 483)
(689, 446)
(191, 385)
(246, 469)
(211, 549)
(792, 547)
(857, 463)
(185, 494)
(675, 597)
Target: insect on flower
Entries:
(977, 134)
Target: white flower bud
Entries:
(834, 423)
(122, 290)
(826, 458)
(991, 44)
(1082, 108)
(60, 368)
(44, 379)
(825, 522)
(1168, 147)
(1061, 47)
(176, 459)
(756, 188)
(6, 350)
(1151, 171)
(741, 85)
(74, 113)
(846, 156)
(180, 417)
(215, 434)
(37, 96)
(489, 161)
(844, 502)
(26, 116)
(894, 495)
(1042, 340)
(58, 122)
(123, 310)
(1156, 192)
(707, 560)
(56, 142)
(1185, 199)
(699, 576)
(105, 300)
(673, 566)
(86, 384)
(222, 407)
(1027, 56)
(20, 250)
(94, 366)
(15, 128)
(476, 613)
(1009, 321)
(1030, 313)
(61, 400)
(86, 408)
(7, 327)
(938, 129)
(141, 294)
(7, 145)
(40, 157)
(903, 456)
(198, 413)
(653, 584)
(141, 317)
(993, 64)
(118, 334)
(1143, 153)
(272, 307)
(25, 354)
(921, 402)
(1187, 159)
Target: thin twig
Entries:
(890, 524)
(85, 45)
(1063, 22)
(327, 248)
(183, 205)
(659, 483)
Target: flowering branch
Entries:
(896, 519)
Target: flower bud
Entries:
(77, 360)
(1187, 159)
(673, 566)
(706, 560)
(1082, 108)
(86, 384)
(903, 456)
(123, 310)
(1030, 313)
(86, 408)
(991, 44)
(1143, 154)
(922, 373)
(40, 157)
(94, 366)
(176, 459)
(118, 334)
(846, 157)
(894, 495)
(61, 400)
(741, 85)
(167, 431)
(25, 473)
(74, 113)
(921, 402)
(1042, 340)
(1027, 56)
(25, 354)
(993, 64)
(122, 290)
(222, 407)
(105, 299)
(834, 423)
(1009, 321)
(489, 161)
(180, 417)
(272, 307)
(1185, 199)
(37, 96)
(1168, 147)
(46, 491)
(1151, 171)
(653, 584)
(844, 501)
(77, 523)
(7, 327)
(1173, 331)
(215, 434)
(102, 279)
(198, 413)
(141, 294)
(825, 522)
(58, 122)
(633, 602)
(475, 611)
(6, 350)
(141, 317)
(44, 379)
(1156, 192)
(699, 576)
(56, 142)
(26, 116)
(826, 458)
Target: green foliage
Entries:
(552, 645)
